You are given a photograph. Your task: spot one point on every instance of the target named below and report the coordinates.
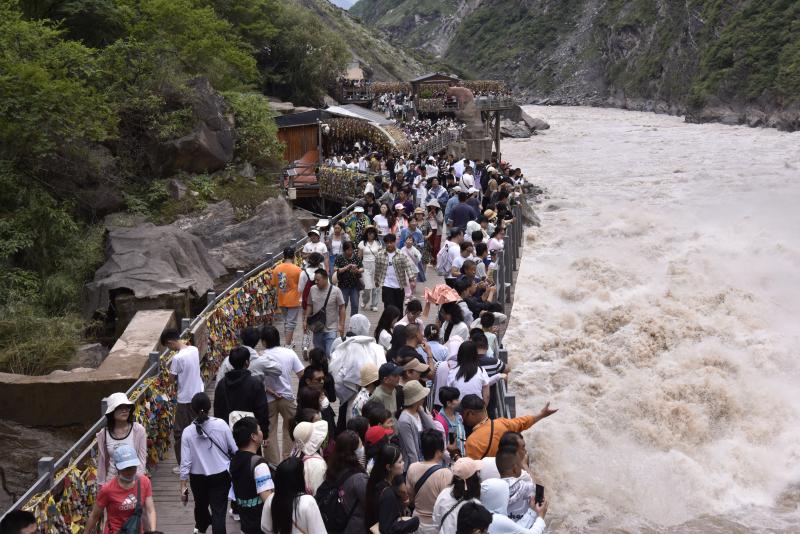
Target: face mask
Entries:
(324, 403)
(361, 455)
(126, 480)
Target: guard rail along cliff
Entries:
(62, 496)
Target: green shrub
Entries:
(256, 131)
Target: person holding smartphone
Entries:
(495, 495)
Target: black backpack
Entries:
(329, 500)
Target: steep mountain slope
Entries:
(384, 62)
(729, 60)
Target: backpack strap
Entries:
(421, 482)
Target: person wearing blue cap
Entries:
(127, 498)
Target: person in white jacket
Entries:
(494, 497)
(290, 508)
(349, 356)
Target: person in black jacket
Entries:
(240, 391)
(384, 505)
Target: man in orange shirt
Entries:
(286, 278)
(486, 433)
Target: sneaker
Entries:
(176, 470)
(374, 308)
(234, 515)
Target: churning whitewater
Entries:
(658, 306)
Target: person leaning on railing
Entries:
(486, 433)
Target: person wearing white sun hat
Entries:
(120, 430)
(308, 440)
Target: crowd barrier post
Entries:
(103, 407)
(210, 296)
(186, 323)
(501, 277)
(46, 467)
(508, 267)
(239, 277)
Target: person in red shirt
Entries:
(124, 496)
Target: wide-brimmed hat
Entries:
(358, 209)
(433, 203)
(414, 392)
(489, 214)
(420, 211)
(415, 365)
(125, 457)
(115, 400)
(399, 206)
(310, 436)
(369, 374)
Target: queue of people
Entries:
(413, 446)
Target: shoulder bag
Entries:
(133, 525)
(316, 322)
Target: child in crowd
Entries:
(414, 257)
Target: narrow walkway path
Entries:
(173, 517)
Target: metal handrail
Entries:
(86, 444)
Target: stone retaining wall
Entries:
(68, 398)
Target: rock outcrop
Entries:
(732, 62)
(244, 244)
(149, 261)
(209, 146)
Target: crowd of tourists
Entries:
(419, 131)
(414, 444)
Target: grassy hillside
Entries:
(384, 61)
(702, 57)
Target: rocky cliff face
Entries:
(382, 61)
(737, 61)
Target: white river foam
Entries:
(658, 307)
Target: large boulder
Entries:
(244, 244)
(534, 124)
(209, 146)
(150, 261)
(514, 129)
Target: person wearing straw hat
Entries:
(126, 497)
(120, 430)
(368, 383)
(413, 420)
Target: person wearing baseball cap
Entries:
(120, 429)
(466, 487)
(123, 494)
(413, 369)
(388, 381)
(412, 418)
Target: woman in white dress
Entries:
(368, 249)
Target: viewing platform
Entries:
(62, 496)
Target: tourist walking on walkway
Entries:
(125, 496)
(290, 510)
(368, 250)
(207, 446)
(239, 391)
(286, 281)
(348, 273)
(309, 439)
(185, 368)
(250, 475)
(393, 273)
(280, 395)
(259, 367)
(120, 430)
(427, 478)
(324, 312)
(346, 473)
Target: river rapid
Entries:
(658, 307)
